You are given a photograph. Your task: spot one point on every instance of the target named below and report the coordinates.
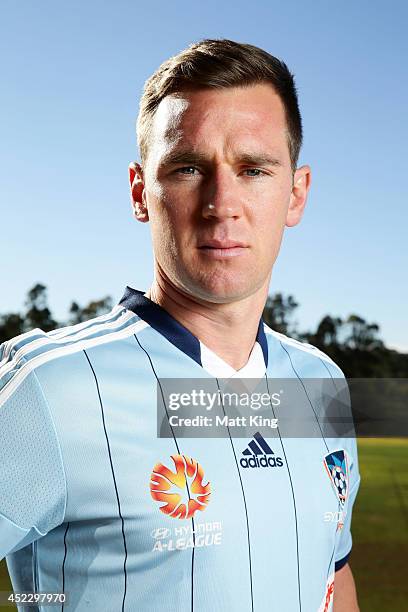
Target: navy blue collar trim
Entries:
(170, 328)
(162, 321)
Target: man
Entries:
(93, 503)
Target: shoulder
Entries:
(21, 355)
(303, 351)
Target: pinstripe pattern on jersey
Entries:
(122, 523)
(293, 498)
(311, 350)
(245, 507)
(179, 453)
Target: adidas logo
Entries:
(259, 454)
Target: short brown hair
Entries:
(220, 63)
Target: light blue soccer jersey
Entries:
(88, 491)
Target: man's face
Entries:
(217, 189)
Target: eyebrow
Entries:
(191, 157)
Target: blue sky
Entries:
(72, 74)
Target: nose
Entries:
(221, 198)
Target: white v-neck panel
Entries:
(214, 365)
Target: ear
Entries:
(301, 185)
(137, 192)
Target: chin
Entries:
(223, 291)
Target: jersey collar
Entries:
(254, 368)
(158, 318)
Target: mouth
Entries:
(222, 248)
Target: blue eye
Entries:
(182, 170)
(254, 170)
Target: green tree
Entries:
(11, 324)
(93, 309)
(277, 313)
(38, 314)
(327, 332)
(361, 336)
(354, 344)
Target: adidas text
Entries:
(263, 461)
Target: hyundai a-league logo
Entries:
(337, 468)
(182, 491)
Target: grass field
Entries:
(379, 557)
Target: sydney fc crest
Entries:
(337, 468)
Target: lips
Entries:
(220, 244)
(222, 249)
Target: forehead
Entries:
(237, 114)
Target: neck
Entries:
(229, 330)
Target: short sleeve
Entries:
(348, 443)
(32, 482)
(345, 541)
